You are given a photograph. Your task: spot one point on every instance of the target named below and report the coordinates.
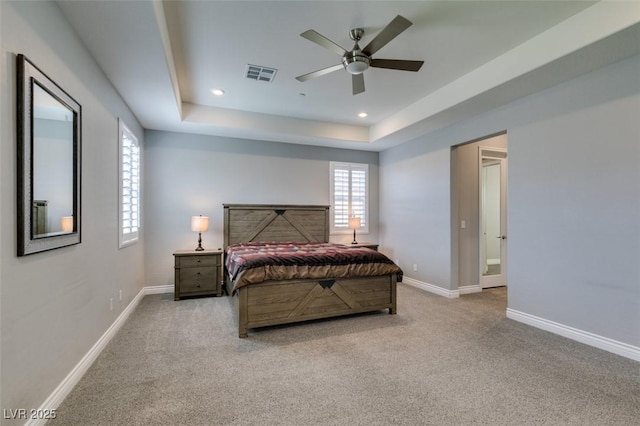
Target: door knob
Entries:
(502, 237)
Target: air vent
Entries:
(258, 73)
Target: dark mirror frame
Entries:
(28, 75)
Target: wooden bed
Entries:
(281, 302)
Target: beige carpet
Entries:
(438, 362)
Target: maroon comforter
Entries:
(251, 263)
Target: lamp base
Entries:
(199, 248)
(354, 237)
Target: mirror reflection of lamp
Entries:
(199, 224)
(67, 223)
(354, 223)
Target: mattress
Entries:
(257, 262)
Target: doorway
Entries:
(479, 260)
(493, 216)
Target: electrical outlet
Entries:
(415, 267)
(120, 295)
(111, 304)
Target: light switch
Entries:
(463, 224)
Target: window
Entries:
(349, 196)
(129, 188)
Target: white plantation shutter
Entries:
(129, 186)
(349, 195)
(340, 197)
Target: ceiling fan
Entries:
(356, 61)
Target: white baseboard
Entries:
(451, 294)
(604, 343)
(68, 383)
(469, 289)
(158, 289)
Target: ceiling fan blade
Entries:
(396, 64)
(318, 73)
(318, 38)
(357, 81)
(388, 33)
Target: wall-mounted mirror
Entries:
(49, 129)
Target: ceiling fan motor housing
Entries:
(356, 62)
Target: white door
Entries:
(493, 217)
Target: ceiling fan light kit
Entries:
(357, 61)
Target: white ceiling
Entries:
(165, 57)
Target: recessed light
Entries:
(362, 115)
(218, 92)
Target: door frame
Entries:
(497, 154)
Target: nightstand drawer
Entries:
(198, 279)
(197, 261)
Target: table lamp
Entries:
(354, 223)
(199, 224)
(66, 222)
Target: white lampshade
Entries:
(199, 223)
(354, 223)
(67, 223)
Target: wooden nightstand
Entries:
(197, 273)
(372, 246)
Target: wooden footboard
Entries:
(282, 302)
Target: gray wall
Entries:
(415, 210)
(574, 191)
(188, 175)
(573, 202)
(55, 305)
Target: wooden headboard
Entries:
(275, 222)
